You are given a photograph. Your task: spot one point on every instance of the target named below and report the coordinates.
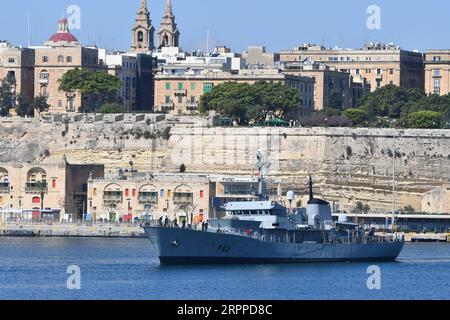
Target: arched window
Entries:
(183, 194)
(140, 36)
(60, 59)
(44, 59)
(44, 75)
(113, 194)
(69, 59)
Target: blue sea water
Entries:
(35, 268)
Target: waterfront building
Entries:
(179, 87)
(437, 71)
(168, 34)
(57, 186)
(61, 53)
(380, 64)
(189, 197)
(143, 32)
(17, 64)
(131, 195)
(257, 56)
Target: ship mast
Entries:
(393, 184)
(261, 193)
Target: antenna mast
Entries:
(393, 184)
(28, 29)
(261, 193)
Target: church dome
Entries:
(63, 34)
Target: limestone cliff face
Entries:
(348, 165)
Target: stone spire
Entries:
(168, 35)
(143, 33)
(144, 5)
(169, 8)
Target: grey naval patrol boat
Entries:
(263, 231)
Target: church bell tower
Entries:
(143, 32)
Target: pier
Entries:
(103, 230)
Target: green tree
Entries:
(356, 116)
(335, 100)
(111, 108)
(250, 102)
(425, 119)
(7, 97)
(390, 101)
(98, 87)
(40, 104)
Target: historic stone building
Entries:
(18, 65)
(180, 93)
(437, 71)
(143, 32)
(379, 64)
(189, 197)
(332, 88)
(61, 53)
(168, 34)
(37, 186)
(131, 195)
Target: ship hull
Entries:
(176, 246)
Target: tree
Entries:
(98, 87)
(390, 101)
(7, 96)
(356, 116)
(425, 119)
(335, 100)
(40, 104)
(111, 108)
(24, 106)
(250, 102)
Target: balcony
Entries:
(148, 199)
(166, 106)
(112, 198)
(180, 92)
(4, 187)
(36, 187)
(187, 198)
(191, 106)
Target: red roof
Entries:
(63, 36)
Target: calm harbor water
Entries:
(35, 268)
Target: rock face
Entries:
(348, 165)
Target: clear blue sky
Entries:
(279, 24)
